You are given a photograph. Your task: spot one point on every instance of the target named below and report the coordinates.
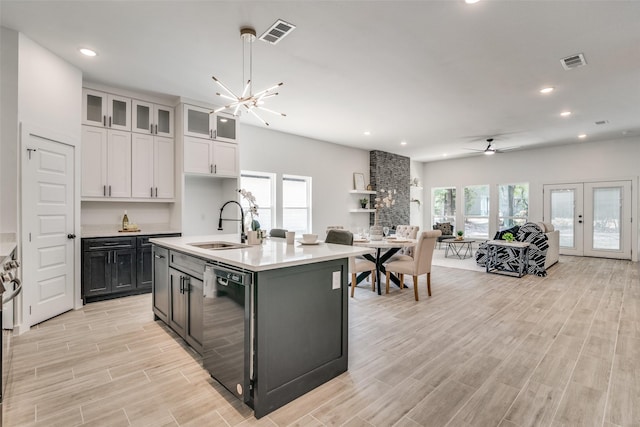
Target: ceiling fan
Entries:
(491, 149)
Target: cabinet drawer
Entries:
(187, 264)
(108, 243)
(143, 241)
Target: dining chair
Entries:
(419, 265)
(356, 265)
(278, 232)
(405, 232)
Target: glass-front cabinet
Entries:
(153, 119)
(106, 110)
(203, 123)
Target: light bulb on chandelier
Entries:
(248, 101)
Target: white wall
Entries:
(203, 198)
(330, 166)
(417, 216)
(8, 130)
(581, 162)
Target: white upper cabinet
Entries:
(106, 163)
(225, 127)
(153, 119)
(210, 157)
(201, 122)
(106, 110)
(152, 167)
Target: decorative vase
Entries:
(375, 231)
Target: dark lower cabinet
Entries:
(161, 283)
(116, 266)
(177, 293)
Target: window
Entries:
(296, 203)
(261, 185)
(476, 211)
(513, 205)
(444, 205)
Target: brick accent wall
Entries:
(391, 172)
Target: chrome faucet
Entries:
(243, 236)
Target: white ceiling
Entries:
(441, 75)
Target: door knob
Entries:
(71, 236)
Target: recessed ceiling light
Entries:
(565, 113)
(582, 135)
(367, 133)
(88, 52)
(471, 1)
(403, 143)
(444, 155)
(547, 89)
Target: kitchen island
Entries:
(269, 320)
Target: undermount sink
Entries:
(218, 245)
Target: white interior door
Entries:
(47, 227)
(594, 219)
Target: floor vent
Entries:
(277, 31)
(573, 61)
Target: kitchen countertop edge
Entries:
(273, 254)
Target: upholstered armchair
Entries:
(446, 229)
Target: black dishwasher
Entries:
(227, 327)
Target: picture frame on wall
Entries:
(358, 181)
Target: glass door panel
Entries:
(563, 204)
(119, 116)
(94, 108)
(606, 218)
(142, 120)
(197, 122)
(164, 121)
(563, 208)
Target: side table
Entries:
(516, 250)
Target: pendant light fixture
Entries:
(248, 101)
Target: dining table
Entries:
(385, 249)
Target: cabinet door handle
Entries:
(109, 121)
(151, 191)
(156, 191)
(156, 129)
(151, 129)
(187, 284)
(109, 191)
(104, 121)
(210, 168)
(215, 134)
(104, 190)
(211, 133)
(109, 257)
(215, 168)
(158, 256)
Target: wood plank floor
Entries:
(484, 350)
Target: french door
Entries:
(594, 218)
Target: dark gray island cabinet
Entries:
(270, 321)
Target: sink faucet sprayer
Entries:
(243, 236)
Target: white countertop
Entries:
(274, 253)
(109, 230)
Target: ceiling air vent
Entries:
(573, 61)
(277, 31)
(602, 122)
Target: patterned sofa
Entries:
(543, 250)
